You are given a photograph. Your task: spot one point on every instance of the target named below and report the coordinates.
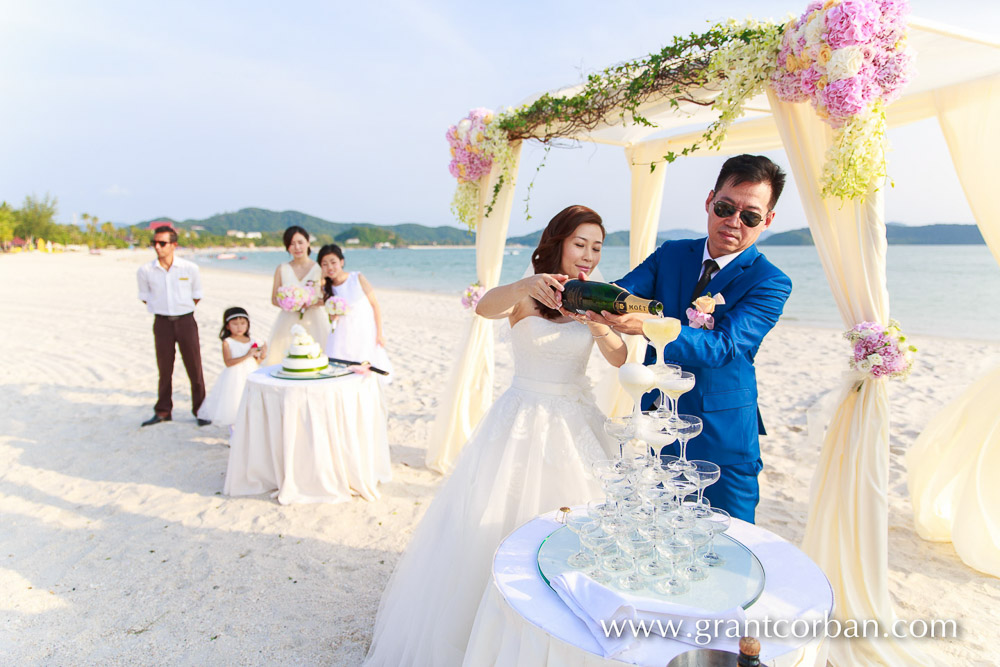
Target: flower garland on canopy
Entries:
(849, 59)
(880, 352)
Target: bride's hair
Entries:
(547, 257)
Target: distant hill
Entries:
(897, 234)
(274, 222)
(613, 239)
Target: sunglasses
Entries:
(160, 244)
(726, 210)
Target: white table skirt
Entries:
(309, 441)
(521, 621)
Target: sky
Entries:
(131, 111)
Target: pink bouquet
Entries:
(844, 56)
(880, 351)
(336, 306)
(469, 160)
(472, 294)
(295, 298)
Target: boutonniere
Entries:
(700, 317)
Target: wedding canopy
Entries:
(957, 80)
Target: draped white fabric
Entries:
(469, 392)
(952, 464)
(847, 528)
(309, 441)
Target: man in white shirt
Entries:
(171, 287)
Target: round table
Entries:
(309, 441)
(522, 621)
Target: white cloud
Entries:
(116, 190)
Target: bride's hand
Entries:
(546, 288)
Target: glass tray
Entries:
(737, 582)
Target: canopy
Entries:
(957, 80)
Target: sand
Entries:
(117, 547)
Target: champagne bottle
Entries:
(579, 296)
(749, 653)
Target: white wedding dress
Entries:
(531, 453)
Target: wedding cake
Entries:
(304, 354)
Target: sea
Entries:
(948, 290)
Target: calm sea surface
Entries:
(937, 290)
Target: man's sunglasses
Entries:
(160, 244)
(726, 210)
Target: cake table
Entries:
(309, 441)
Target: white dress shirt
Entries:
(721, 261)
(170, 292)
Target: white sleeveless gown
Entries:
(353, 338)
(531, 453)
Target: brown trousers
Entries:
(181, 331)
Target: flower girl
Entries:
(241, 354)
(352, 305)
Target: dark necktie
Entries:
(706, 276)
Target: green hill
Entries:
(897, 234)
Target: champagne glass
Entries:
(664, 374)
(688, 427)
(621, 429)
(636, 380)
(676, 552)
(661, 331)
(599, 542)
(619, 562)
(717, 522)
(638, 546)
(658, 433)
(702, 474)
(674, 388)
(579, 522)
(655, 567)
(696, 537)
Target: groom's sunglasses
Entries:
(726, 210)
(160, 244)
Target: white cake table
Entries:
(521, 621)
(309, 441)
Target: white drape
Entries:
(952, 464)
(469, 393)
(847, 528)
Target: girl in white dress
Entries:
(357, 335)
(303, 272)
(241, 355)
(531, 453)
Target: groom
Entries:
(725, 263)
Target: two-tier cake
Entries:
(304, 354)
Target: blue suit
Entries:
(725, 391)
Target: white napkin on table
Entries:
(593, 602)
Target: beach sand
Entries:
(117, 547)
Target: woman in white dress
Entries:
(531, 453)
(357, 335)
(302, 272)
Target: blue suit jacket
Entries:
(725, 391)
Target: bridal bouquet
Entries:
(295, 298)
(880, 351)
(849, 59)
(336, 306)
(472, 294)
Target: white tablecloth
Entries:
(521, 621)
(309, 441)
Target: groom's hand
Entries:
(629, 323)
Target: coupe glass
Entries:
(638, 546)
(665, 373)
(658, 433)
(661, 331)
(717, 522)
(622, 429)
(618, 562)
(674, 388)
(636, 379)
(688, 427)
(678, 553)
(655, 567)
(696, 537)
(578, 522)
(703, 474)
(600, 544)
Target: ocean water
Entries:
(935, 290)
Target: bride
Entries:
(531, 453)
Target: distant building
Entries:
(255, 235)
(197, 228)
(352, 242)
(235, 233)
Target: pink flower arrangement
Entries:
(295, 298)
(336, 306)
(880, 351)
(844, 56)
(469, 160)
(472, 294)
